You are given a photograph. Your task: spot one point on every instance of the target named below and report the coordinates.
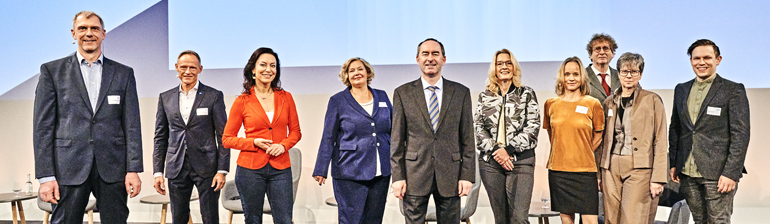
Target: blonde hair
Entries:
(344, 73)
(492, 81)
(583, 77)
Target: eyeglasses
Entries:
(633, 73)
(599, 49)
(504, 63)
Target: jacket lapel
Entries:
(256, 106)
(108, 72)
(595, 82)
(375, 102)
(614, 80)
(710, 95)
(196, 103)
(354, 104)
(277, 106)
(172, 97)
(446, 101)
(418, 95)
(77, 77)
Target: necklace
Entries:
(268, 95)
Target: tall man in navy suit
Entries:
(708, 136)
(432, 143)
(86, 134)
(188, 142)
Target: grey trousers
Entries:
(510, 192)
(706, 203)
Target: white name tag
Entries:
(581, 109)
(714, 111)
(202, 111)
(609, 112)
(113, 99)
(383, 104)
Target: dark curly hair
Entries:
(248, 75)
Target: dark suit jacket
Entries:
(597, 91)
(69, 137)
(721, 135)
(352, 139)
(418, 155)
(202, 133)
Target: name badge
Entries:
(581, 109)
(609, 112)
(113, 99)
(714, 111)
(202, 111)
(383, 104)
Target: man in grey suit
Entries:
(708, 136)
(86, 135)
(603, 80)
(188, 138)
(432, 144)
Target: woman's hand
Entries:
(262, 143)
(321, 180)
(275, 150)
(502, 157)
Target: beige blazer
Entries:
(650, 140)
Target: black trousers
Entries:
(447, 208)
(111, 200)
(180, 190)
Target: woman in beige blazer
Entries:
(634, 160)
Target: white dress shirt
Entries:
(439, 91)
(607, 77)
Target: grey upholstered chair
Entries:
(680, 214)
(47, 208)
(465, 211)
(231, 200)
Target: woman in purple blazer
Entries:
(356, 139)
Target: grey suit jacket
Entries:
(68, 136)
(597, 91)
(418, 155)
(721, 131)
(202, 134)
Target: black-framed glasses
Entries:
(504, 63)
(633, 73)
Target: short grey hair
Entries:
(632, 59)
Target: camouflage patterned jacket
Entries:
(522, 123)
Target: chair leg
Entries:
(91, 217)
(163, 209)
(190, 222)
(230, 218)
(468, 220)
(45, 218)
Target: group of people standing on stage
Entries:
(606, 132)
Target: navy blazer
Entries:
(721, 130)
(352, 138)
(68, 136)
(202, 133)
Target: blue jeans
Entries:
(252, 186)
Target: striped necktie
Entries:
(433, 107)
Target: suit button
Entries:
(634, 138)
(378, 144)
(635, 149)
(372, 124)
(435, 138)
(374, 134)
(91, 141)
(270, 129)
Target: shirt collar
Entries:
(707, 81)
(194, 89)
(439, 83)
(597, 72)
(81, 58)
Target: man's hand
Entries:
(275, 150)
(160, 187)
(674, 177)
(656, 189)
(464, 187)
(502, 157)
(219, 181)
(133, 184)
(49, 192)
(725, 184)
(262, 143)
(399, 189)
(321, 180)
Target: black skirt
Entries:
(574, 192)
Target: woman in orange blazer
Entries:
(269, 117)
